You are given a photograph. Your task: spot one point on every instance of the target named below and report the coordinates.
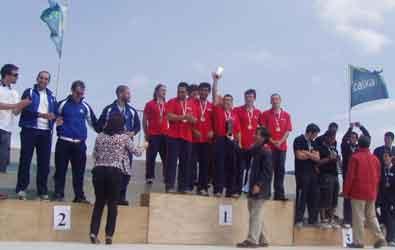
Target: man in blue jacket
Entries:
(36, 121)
(72, 132)
(132, 127)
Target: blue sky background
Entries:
(299, 49)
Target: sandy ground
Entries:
(74, 246)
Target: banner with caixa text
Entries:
(366, 86)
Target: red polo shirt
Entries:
(277, 125)
(205, 120)
(220, 118)
(180, 129)
(156, 124)
(248, 125)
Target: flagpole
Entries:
(58, 77)
(349, 93)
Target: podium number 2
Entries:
(62, 221)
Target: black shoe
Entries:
(247, 244)
(81, 200)
(123, 203)
(149, 181)
(108, 240)
(264, 244)
(58, 198)
(281, 198)
(94, 239)
(354, 245)
(380, 244)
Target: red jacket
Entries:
(363, 176)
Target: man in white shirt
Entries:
(37, 122)
(10, 106)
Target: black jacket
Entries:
(348, 149)
(261, 172)
(386, 195)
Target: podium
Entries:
(166, 219)
(195, 220)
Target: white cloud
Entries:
(358, 20)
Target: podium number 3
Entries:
(62, 221)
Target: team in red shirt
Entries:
(189, 130)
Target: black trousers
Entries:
(307, 194)
(106, 182)
(245, 160)
(226, 172)
(201, 158)
(75, 153)
(178, 150)
(279, 173)
(41, 141)
(156, 144)
(5, 150)
(388, 218)
(347, 211)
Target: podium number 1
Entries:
(225, 215)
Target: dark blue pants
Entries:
(201, 155)
(226, 173)
(41, 141)
(279, 173)
(75, 153)
(5, 150)
(307, 194)
(156, 144)
(178, 150)
(347, 211)
(125, 179)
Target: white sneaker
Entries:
(335, 225)
(21, 195)
(44, 197)
(347, 226)
(325, 225)
(299, 225)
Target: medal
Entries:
(277, 118)
(250, 114)
(184, 108)
(161, 108)
(203, 110)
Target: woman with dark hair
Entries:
(155, 125)
(111, 157)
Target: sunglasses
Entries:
(14, 74)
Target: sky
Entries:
(299, 49)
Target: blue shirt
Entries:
(75, 115)
(30, 114)
(132, 120)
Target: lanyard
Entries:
(203, 109)
(161, 107)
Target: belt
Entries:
(69, 139)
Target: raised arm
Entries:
(215, 88)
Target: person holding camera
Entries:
(349, 145)
(227, 142)
(260, 183)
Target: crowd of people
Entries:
(201, 143)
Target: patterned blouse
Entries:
(113, 151)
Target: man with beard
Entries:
(132, 127)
